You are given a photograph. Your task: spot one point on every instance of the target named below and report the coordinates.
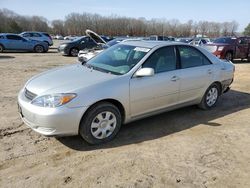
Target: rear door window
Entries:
(191, 57)
(36, 35)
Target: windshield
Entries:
(118, 59)
(225, 40)
(114, 41)
(78, 39)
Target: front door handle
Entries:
(175, 78)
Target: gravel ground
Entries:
(183, 148)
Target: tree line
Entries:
(76, 24)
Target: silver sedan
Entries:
(126, 82)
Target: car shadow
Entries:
(167, 123)
(6, 57)
(239, 61)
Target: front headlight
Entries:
(53, 100)
(220, 48)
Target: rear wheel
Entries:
(101, 123)
(210, 97)
(74, 52)
(229, 56)
(39, 49)
(1, 48)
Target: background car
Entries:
(70, 37)
(126, 82)
(85, 55)
(161, 38)
(72, 48)
(59, 37)
(230, 48)
(200, 41)
(40, 36)
(15, 42)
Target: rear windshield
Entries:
(46, 34)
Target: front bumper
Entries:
(63, 51)
(50, 121)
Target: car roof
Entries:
(8, 34)
(152, 44)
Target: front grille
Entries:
(29, 95)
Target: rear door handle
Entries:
(175, 78)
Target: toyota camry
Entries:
(126, 82)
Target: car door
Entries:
(15, 42)
(196, 73)
(161, 90)
(86, 43)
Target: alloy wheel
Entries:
(212, 96)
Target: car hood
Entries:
(95, 37)
(66, 79)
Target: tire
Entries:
(1, 48)
(229, 56)
(39, 49)
(101, 123)
(210, 97)
(73, 52)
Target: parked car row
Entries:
(224, 47)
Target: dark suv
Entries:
(230, 48)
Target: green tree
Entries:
(247, 30)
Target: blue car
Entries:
(15, 42)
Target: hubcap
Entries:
(74, 52)
(39, 49)
(212, 96)
(103, 125)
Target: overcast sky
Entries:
(183, 10)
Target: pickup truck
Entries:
(230, 48)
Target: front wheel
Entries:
(210, 97)
(101, 123)
(74, 52)
(1, 48)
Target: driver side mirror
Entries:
(144, 72)
(82, 42)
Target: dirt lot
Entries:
(183, 148)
